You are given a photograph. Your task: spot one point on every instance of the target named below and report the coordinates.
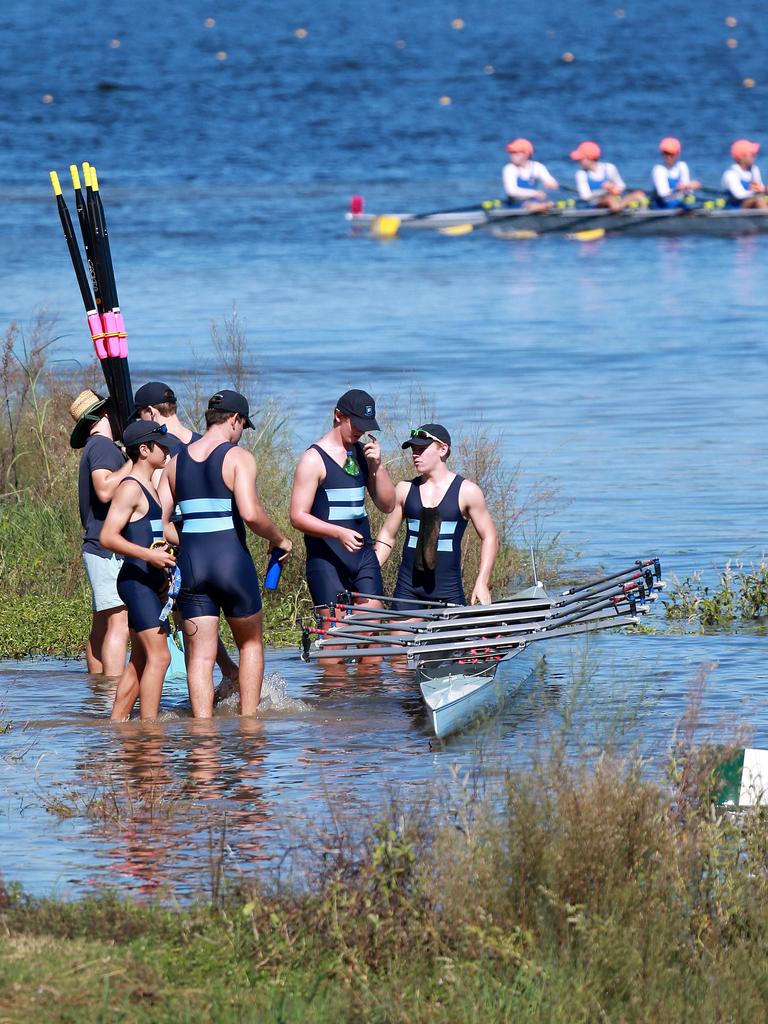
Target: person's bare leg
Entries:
(127, 692)
(95, 642)
(158, 658)
(248, 637)
(115, 642)
(200, 636)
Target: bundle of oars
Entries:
(426, 631)
(97, 286)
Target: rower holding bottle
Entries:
(328, 503)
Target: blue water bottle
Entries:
(274, 569)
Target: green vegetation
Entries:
(46, 599)
(575, 892)
(741, 593)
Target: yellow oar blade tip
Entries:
(590, 235)
(457, 229)
(385, 226)
(55, 183)
(93, 178)
(86, 173)
(75, 175)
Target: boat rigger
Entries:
(456, 650)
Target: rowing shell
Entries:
(456, 694)
(506, 223)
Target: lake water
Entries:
(628, 372)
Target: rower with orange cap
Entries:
(525, 179)
(599, 183)
(742, 182)
(672, 184)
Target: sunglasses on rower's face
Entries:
(424, 435)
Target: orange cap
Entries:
(743, 147)
(520, 146)
(669, 144)
(586, 151)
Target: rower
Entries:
(525, 179)
(672, 185)
(134, 530)
(742, 182)
(436, 506)
(214, 483)
(599, 183)
(157, 402)
(328, 504)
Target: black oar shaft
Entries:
(74, 251)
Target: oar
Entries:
(112, 318)
(91, 313)
(387, 225)
(597, 233)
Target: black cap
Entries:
(144, 431)
(431, 431)
(152, 393)
(360, 408)
(231, 401)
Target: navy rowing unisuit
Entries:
(138, 583)
(340, 499)
(217, 571)
(444, 581)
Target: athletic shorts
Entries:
(209, 587)
(406, 593)
(140, 592)
(102, 575)
(327, 579)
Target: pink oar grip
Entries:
(109, 320)
(95, 327)
(123, 340)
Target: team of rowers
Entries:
(598, 183)
(172, 498)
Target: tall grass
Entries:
(45, 590)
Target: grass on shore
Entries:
(575, 892)
(46, 600)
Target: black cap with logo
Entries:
(426, 434)
(360, 408)
(152, 393)
(231, 401)
(144, 431)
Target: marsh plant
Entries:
(740, 594)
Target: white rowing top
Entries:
(590, 183)
(519, 182)
(737, 181)
(666, 179)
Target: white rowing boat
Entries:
(456, 650)
(513, 223)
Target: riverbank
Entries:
(572, 892)
(46, 600)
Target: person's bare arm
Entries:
(380, 486)
(106, 481)
(385, 541)
(473, 506)
(167, 494)
(242, 472)
(129, 499)
(308, 477)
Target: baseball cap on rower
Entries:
(152, 393)
(586, 151)
(669, 144)
(360, 408)
(426, 434)
(87, 409)
(231, 401)
(744, 147)
(144, 431)
(520, 146)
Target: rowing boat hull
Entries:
(454, 700)
(506, 223)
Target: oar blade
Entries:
(386, 225)
(589, 235)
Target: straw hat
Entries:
(85, 411)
